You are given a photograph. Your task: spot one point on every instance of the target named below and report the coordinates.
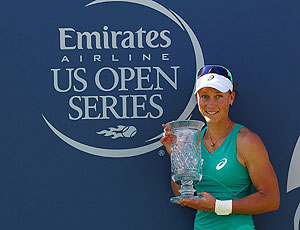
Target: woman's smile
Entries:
(211, 112)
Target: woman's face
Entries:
(213, 104)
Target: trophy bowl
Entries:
(186, 161)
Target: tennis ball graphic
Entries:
(129, 131)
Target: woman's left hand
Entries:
(206, 204)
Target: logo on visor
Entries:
(211, 77)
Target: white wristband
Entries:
(223, 207)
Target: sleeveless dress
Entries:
(226, 179)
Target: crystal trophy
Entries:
(186, 161)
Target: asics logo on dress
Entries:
(221, 164)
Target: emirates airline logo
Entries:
(111, 83)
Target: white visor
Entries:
(215, 81)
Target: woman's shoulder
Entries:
(248, 142)
(246, 136)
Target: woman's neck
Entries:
(219, 129)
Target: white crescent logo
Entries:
(293, 181)
(294, 171)
(222, 164)
(297, 218)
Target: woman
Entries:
(235, 158)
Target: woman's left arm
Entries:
(253, 155)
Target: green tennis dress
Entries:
(226, 179)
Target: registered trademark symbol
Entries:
(161, 153)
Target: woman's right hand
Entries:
(166, 139)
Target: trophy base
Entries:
(176, 199)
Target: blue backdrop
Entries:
(86, 86)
